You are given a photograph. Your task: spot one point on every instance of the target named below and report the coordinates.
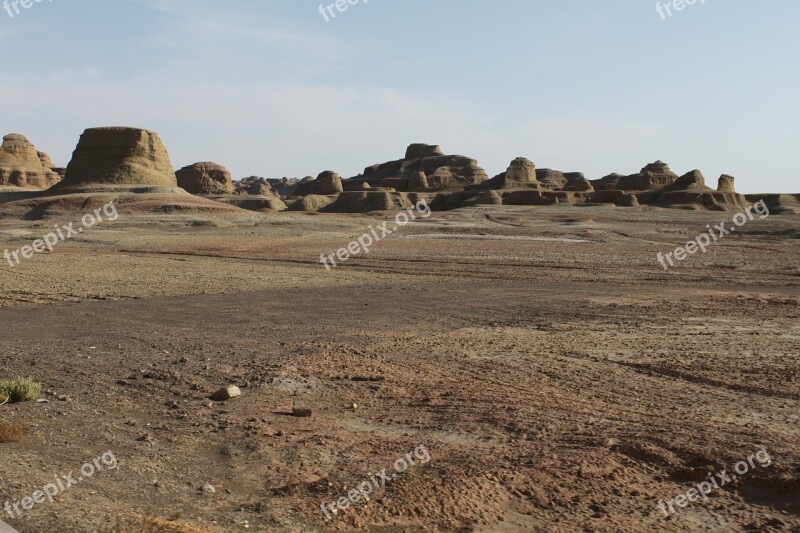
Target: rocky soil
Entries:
(559, 378)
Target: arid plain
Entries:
(558, 376)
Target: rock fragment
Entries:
(226, 393)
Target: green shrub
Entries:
(19, 390)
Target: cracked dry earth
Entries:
(559, 379)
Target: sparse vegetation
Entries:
(19, 390)
(135, 523)
(11, 433)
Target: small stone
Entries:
(208, 489)
(299, 409)
(226, 393)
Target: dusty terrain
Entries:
(559, 378)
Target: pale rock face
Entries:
(327, 183)
(45, 160)
(726, 184)
(120, 156)
(521, 171)
(205, 178)
(552, 179)
(21, 166)
(521, 174)
(419, 150)
(693, 180)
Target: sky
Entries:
(275, 88)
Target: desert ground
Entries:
(558, 377)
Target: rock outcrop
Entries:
(421, 150)
(205, 178)
(726, 184)
(127, 166)
(653, 176)
(119, 156)
(21, 166)
(563, 181)
(518, 185)
(311, 203)
(690, 192)
(261, 204)
(521, 174)
(284, 186)
(48, 163)
(254, 186)
(367, 201)
(607, 183)
(577, 182)
(45, 160)
(418, 182)
(552, 179)
(777, 204)
(442, 172)
(328, 182)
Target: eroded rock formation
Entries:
(205, 178)
(726, 184)
(521, 174)
(653, 176)
(441, 172)
(327, 182)
(21, 166)
(120, 156)
(367, 201)
(690, 191)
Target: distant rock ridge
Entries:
(425, 168)
(653, 176)
(255, 186)
(22, 166)
(556, 180)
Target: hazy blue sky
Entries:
(269, 88)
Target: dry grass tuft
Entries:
(12, 433)
(19, 390)
(136, 523)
